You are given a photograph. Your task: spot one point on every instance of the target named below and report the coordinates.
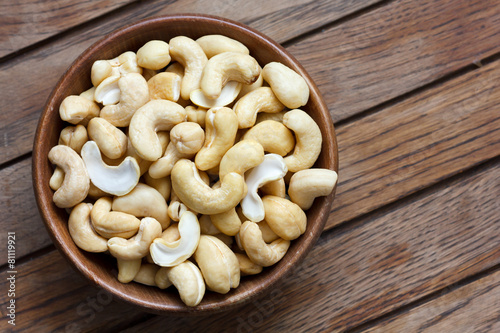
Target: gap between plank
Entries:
(15, 160)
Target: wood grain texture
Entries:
(397, 48)
(27, 22)
(417, 142)
(23, 100)
(415, 248)
(473, 308)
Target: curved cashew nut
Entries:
(228, 222)
(246, 88)
(76, 183)
(81, 231)
(263, 116)
(143, 201)
(134, 93)
(156, 115)
(167, 254)
(78, 110)
(162, 185)
(196, 115)
(176, 209)
(218, 264)
(112, 224)
(274, 137)
(165, 86)
(272, 168)
(215, 44)
(290, 88)
(247, 266)
(207, 227)
(88, 94)
(284, 217)
(146, 274)
(108, 91)
(198, 196)
(101, 69)
(257, 250)
(187, 278)
(128, 269)
(190, 55)
(228, 66)
(227, 95)
(259, 100)
(57, 178)
(161, 278)
(136, 247)
(74, 137)
(171, 234)
(153, 55)
(116, 180)
(241, 157)
(111, 141)
(306, 185)
(221, 126)
(276, 188)
(309, 139)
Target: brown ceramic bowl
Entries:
(100, 269)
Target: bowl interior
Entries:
(101, 269)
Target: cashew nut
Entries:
(134, 93)
(74, 137)
(272, 168)
(187, 278)
(116, 180)
(57, 178)
(153, 55)
(108, 91)
(146, 274)
(165, 86)
(101, 69)
(247, 266)
(290, 88)
(167, 254)
(284, 217)
(257, 250)
(156, 115)
(81, 231)
(162, 185)
(218, 264)
(221, 126)
(206, 226)
(241, 157)
(259, 100)
(88, 94)
(136, 247)
(227, 95)
(128, 269)
(171, 234)
(76, 183)
(198, 196)
(112, 224)
(78, 110)
(190, 55)
(176, 209)
(228, 66)
(143, 201)
(276, 188)
(161, 278)
(306, 185)
(111, 141)
(227, 222)
(246, 88)
(196, 115)
(215, 44)
(274, 137)
(268, 235)
(308, 137)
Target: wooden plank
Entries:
(397, 48)
(23, 99)
(471, 308)
(352, 275)
(418, 142)
(29, 21)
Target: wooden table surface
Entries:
(412, 243)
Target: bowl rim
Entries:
(46, 206)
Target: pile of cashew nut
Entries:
(189, 163)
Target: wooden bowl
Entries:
(101, 269)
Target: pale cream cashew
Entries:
(112, 224)
(88, 94)
(127, 63)
(78, 110)
(191, 56)
(228, 240)
(57, 178)
(95, 192)
(101, 69)
(171, 234)
(187, 278)
(167, 254)
(257, 250)
(227, 222)
(276, 188)
(154, 55)
(247, 266)
(136, 247)
(81, 230)
(263, 116)
(206, 226)
(274, 137)
(284, 217)
(143, 201)
(215, 44)
(76, 183)
(146, 274)
(161, 278)
(268, 235)
(227, 95)
(165, 86)
(272, 168)
(176, 209)
(218, 264)
(162, 185)
(156, 115)
(176, 68)
(144, 165)
(134, 93)
(108, 91)
(123, 64)
(116, 180)
(221, 126)
(74, 137)
(259, 100)
(128, 269)
(241, 157)
(290, 88)
(306, 185)
(246, 88)
(228, 66)
(196, 115)
(198, 196)
(111, 141)
(308, 140)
